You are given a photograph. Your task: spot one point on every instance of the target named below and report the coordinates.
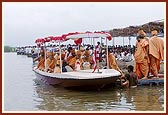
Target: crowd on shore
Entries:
(123, 53)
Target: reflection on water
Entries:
(138, 99)
(23, 92)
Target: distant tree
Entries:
(9, 49)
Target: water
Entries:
(22, 92)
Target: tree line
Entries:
(9, 49)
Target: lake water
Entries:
(22, 92)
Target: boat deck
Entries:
(87, 74)
(83, 74)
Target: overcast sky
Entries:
(23, 23)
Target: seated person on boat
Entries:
(68, 54)
(69, 58)
(41, 60)
(57, 68)
(79, 61)
(82, 51)
(113, 63)
(57, 55)
(87, 60)
(75, 61)
(50, 62)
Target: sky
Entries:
(23, 23)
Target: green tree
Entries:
(8, 49)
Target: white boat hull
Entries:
(82, 78)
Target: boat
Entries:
(82, 79)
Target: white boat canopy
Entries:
(89, 35)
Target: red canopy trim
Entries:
(63, 37)
(109, 37)
(78, 41)
(50, 39)
(58, 39)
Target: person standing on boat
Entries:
(156, 52)
(113, 63)
(141, 56)
(96, 56)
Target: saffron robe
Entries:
(40, 64)
(156, 52)
(141, 58)
(50, 64)
(72, 63)
(113, 63)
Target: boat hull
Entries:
(93, 83)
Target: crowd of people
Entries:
(149, 53)
(146, 54)
(27, 50)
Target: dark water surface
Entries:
(22, 92)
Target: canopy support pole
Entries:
(60, 57)
(45, 50)
(123, 41)
(94, 43)
(107, 54)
